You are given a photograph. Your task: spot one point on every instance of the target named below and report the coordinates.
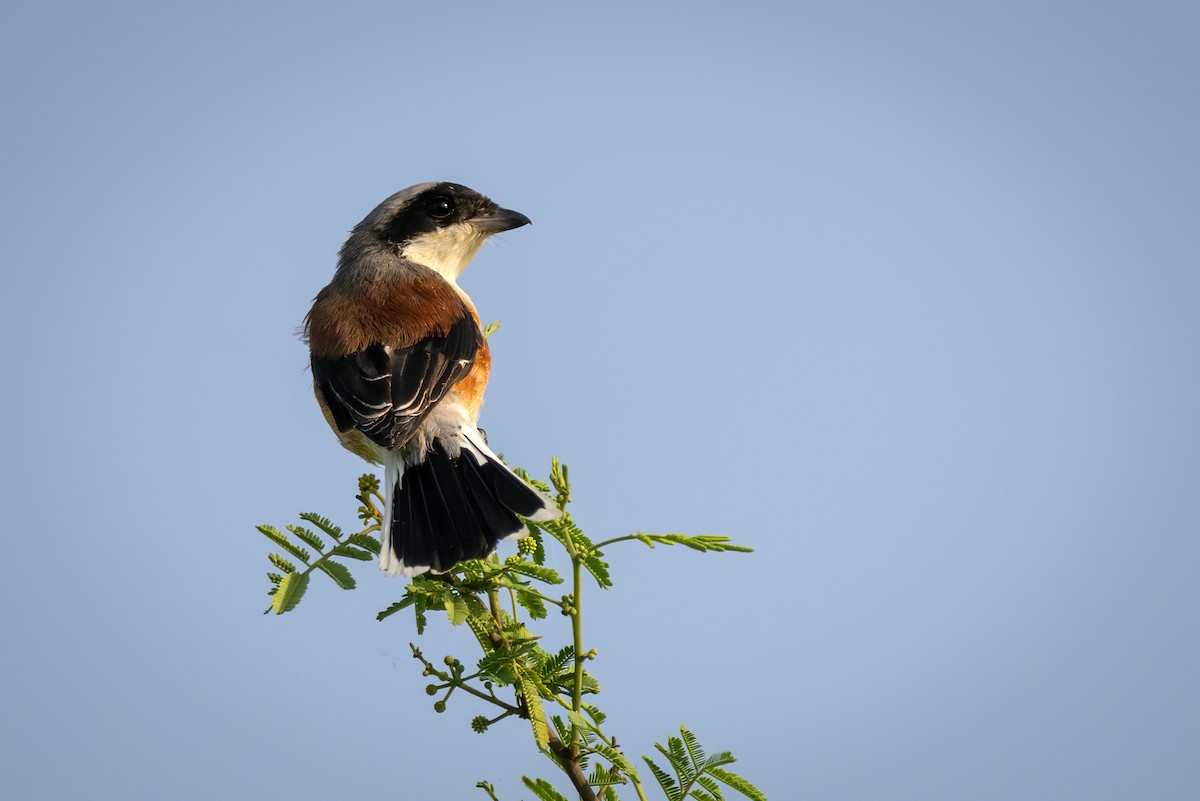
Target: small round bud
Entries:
(439, 706)
(515, 559)
(479, 724)
(527, 546)
(426, 672)
(592, 654)
(431, 689)
(450, 661)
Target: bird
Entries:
(399, 365)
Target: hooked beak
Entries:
(498, 219)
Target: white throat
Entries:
(446, 251)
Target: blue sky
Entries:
(903, 296)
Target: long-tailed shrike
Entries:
(399, 367)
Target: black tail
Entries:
(447, 509)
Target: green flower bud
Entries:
(479, 724)
(439, 706)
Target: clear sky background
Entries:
(904, 296)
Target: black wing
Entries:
(386, 392)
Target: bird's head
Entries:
(437, 225)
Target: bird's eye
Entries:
(440, 207)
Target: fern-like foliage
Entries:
(289, 585)
(697, 775)
(543, 789)
(515, 673)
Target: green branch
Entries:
(701, 542)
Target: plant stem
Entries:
(491, 699)
(603, 543)
(577, 634)
(494, 605)
(568, 760)
(577, 631)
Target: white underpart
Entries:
(446, 251)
